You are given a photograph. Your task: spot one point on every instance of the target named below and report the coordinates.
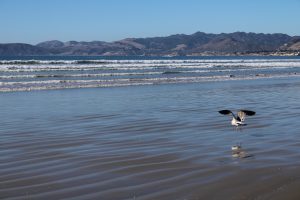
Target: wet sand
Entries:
(151, 142)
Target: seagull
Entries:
(240, 118)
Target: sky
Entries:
(34, 21)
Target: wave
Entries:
(78, 75)
(88, 75)
(157, 61)
(65, 84)
(50, 62)
(39, 68)
(20, 75)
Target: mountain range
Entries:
(199, 43)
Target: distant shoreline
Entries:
(197, 44)
(263, 53)
(202, 54)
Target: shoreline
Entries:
(229, 78)
(264, 53)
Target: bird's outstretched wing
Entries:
(225, 112)
(242, 114)
(248, 112)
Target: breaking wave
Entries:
(25, 75)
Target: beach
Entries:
(158, 138)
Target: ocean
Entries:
(39, 73)
(148, 128)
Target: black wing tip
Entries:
(224, 112)
(249, 112)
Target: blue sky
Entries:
(33, 21)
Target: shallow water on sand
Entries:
(151, 142)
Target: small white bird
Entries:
(240, 118)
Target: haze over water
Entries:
(158, 137)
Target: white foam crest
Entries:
(174, 61)
(30, 85)
(20, 89)
(50, 62)
(87, 75)
(135, 66)
(113, 66)
(141, 61)
(78, 75)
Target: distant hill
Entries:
(293, 44)
(198, 43)
(20, 49)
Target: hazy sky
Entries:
(33, 21)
